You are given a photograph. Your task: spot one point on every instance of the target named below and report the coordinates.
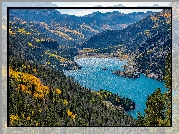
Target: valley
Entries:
(66, 70)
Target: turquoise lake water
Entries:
(92, 76)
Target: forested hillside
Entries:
(132, 39)
(53, 39)
(27, 41)
(40, 96)
(65, 27)
(43, 43)
(146, 41)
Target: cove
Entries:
(94, 77)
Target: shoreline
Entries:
(94, 55)
(106, 55)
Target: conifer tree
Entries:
(158, 105)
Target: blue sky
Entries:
(81, 12)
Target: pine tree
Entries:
(168, 73)
(140, 120)
(154, 112)
(158, 105)
(168, 95)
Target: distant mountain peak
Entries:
(156, 5)
(118, 5)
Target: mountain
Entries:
(43, 95)
(42, 43)
(53, 39)
(117, 19)
(118, 5)
(131, 36)
(77, 29)
(18, 4)
(25, 4)
(29, 42)
(147, 41)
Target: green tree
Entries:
(168, 73)
(168, 117)
(158, 105)
(154, 112)
(168, 95)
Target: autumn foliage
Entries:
(29, 84)
(40, 96)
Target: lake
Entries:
(93, 76)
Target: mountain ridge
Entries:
(152, 33)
